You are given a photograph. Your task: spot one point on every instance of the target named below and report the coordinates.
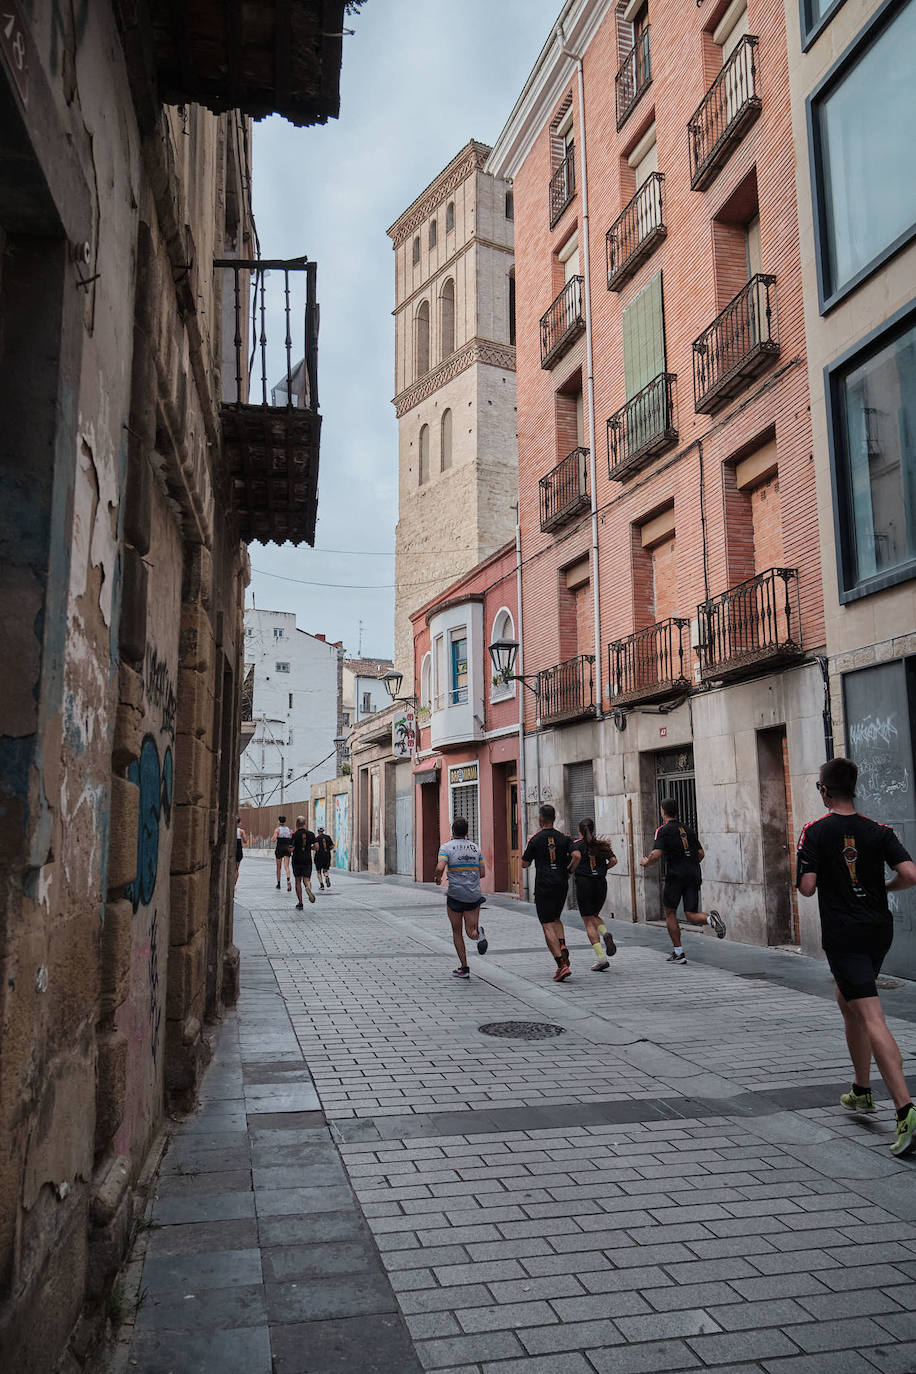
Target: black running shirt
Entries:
(680, 847)
(588, 867)
(549, 851)
(848, 854)
(302, 843)
(325, 845)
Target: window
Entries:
(367, 703)
(569, 257)
(815, 15)
(458, 689)
(447, 309)
(278, 632)
(433, 233)
(510, 205)
(416, 250)
(512, 306)
(871, 402)
(439, 672)
(424, 454)
(644, 157)
(861, 146)
(503, 628)
(426, 682)
(465, 803)
(345, 717)
(282, 667)
(290, 701)
(446, 441)
(423, 338)
(643, 327)
(450, 217)
(249, 632)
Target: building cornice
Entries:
(471, 159)
(550, 76)
(475, 351)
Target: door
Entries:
(512, 836)
(775, 810)
(674, 777)
(403, 818)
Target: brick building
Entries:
(468, 758)
(857, 217)
(671, 589)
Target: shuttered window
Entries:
(580, 789)
(465, 803)
(644, 337)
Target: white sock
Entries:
(679, 949)
(709, 920)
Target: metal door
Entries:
(403, 818)
(674, 778)
(580, 793)
(465, 803)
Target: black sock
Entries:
(560, 960)
(859, 1090)
(902, 1111)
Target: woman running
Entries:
(240, 839)
(592, 856)
(283, 847)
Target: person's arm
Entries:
(528, 856)
(806, 863)
(244, 837)
(807, 884)
(904, 876)
(575, 859)
(701, 853)
(612, 861)
(650, 859)
(441, 868)
(273, 838)
(481, 868)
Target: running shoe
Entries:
(718, 925)
(299, 906)
(562, 973)
(464, 973)
(483, 944)
(906, 1134)
(601, 965)
(278, 887)
(609, 944)
(289, 886)
(676, 958)
(310, 894)
(858, 1102)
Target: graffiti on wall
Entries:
(342, 830)
(321, 813)
(160, 690)
(156, 783)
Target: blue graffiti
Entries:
(155, 786)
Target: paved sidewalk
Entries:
(374, 1185)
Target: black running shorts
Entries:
(456, 904)
(855, 964)
(322, 862)
(591, 895)
(550, 901)
(302, 867)
(679, 886)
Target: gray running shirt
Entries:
(463, 859)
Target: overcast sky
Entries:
(419, 78)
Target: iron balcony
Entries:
(567, 690)
(726, 112)
(740, 342)
(645, 426)
(634, 77)
(563, 322)
(756, 623)
(564, 490)
(651, 664)
(562, 186)
(635, 232)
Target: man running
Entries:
(303, 842)
(324, 848)
(549, 850)
(680, 847)
(282, 840)
(461, 861)
(592, 856)
(842, 857)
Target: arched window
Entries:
(426, 682)
(424, 454)
(433, 233)
(447, 309)
(416, 250)
(423, 339)
(503, 628)
(445, 449)
(450, 217)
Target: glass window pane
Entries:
(868, 191)
(459, 670)
(878, 406)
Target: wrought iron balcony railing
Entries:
(635, 232)
(634, 77)
(645, 426)
(564, 490)
(651, 664)
(562, 186)
(740, 342)
(567, 690)
(563, 322)
(757, 622)
(724, 115)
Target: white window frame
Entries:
(426, 681)
(281, 667)
(502, 691)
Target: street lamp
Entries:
(504, 653)
(392, 681)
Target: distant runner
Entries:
(241, 839)
(549, 850)
(842, 857)
(683, 854)
(324, 848)
(592, 856)
(282, 840)
(303, 841)
(461, 863)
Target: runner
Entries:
(549, 851)
(282, 840)
(461, 861)
(240, 839)
(842, 857)
(324, 847)
(592, 856)
(303, 843)
(683, 854)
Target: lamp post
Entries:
(392, 681)
(503, 653)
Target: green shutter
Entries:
(644, 337)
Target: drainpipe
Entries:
(590, 372)
(520, 668)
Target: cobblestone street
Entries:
(373, 1185)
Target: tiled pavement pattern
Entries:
(668, 1185)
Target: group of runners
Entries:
(296, 848)
(842, 857)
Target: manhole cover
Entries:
(521, 1030)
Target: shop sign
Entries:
(465, 772)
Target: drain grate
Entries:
(521, 1030)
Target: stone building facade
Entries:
(122, 574)
(671, 591)
(454, 383)
(858, 260)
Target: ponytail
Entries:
(596, 846)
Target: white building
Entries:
(295, 681)
(364, 690)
